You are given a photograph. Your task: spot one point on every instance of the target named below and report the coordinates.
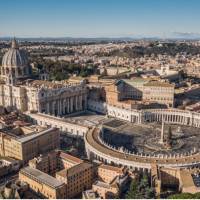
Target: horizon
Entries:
(100, 19)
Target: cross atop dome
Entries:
(14, 44)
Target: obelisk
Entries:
(162, 133)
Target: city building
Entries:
(90, 194)
(54, 161)
(46, 163)
(145, 90)
(17, 190)
(8, 165)
(106, 190)
(159, 92)
(42, 183)
(66, 161)
(77, 178)
(190, 181)
(74, 173)
(107, 173)
(26, 142)
(110, 182)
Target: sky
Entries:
(99, 18)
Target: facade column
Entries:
(76, 103)
(71, 104)
(60, 107)
(57, 108)
(80, 103)
(39, 107)
(53, 107)
(68, 105)
(85, 102)
(47, 108)
(64, 106)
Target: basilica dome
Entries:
(15, 64)
(15, 57)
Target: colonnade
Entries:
(134, 116)
(173, 116)
(168, 115)
(63, 106)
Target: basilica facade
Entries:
(18, 91)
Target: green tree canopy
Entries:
(140, 189)
(185, 196)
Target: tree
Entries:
(140, 189)
(182, 196)
(197, 195)
(133, 192)
(145, 189)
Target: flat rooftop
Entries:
(42, 177)
(102, 184)
(35, 135)
(25, 133)
(23, 130)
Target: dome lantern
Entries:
(14, 44)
